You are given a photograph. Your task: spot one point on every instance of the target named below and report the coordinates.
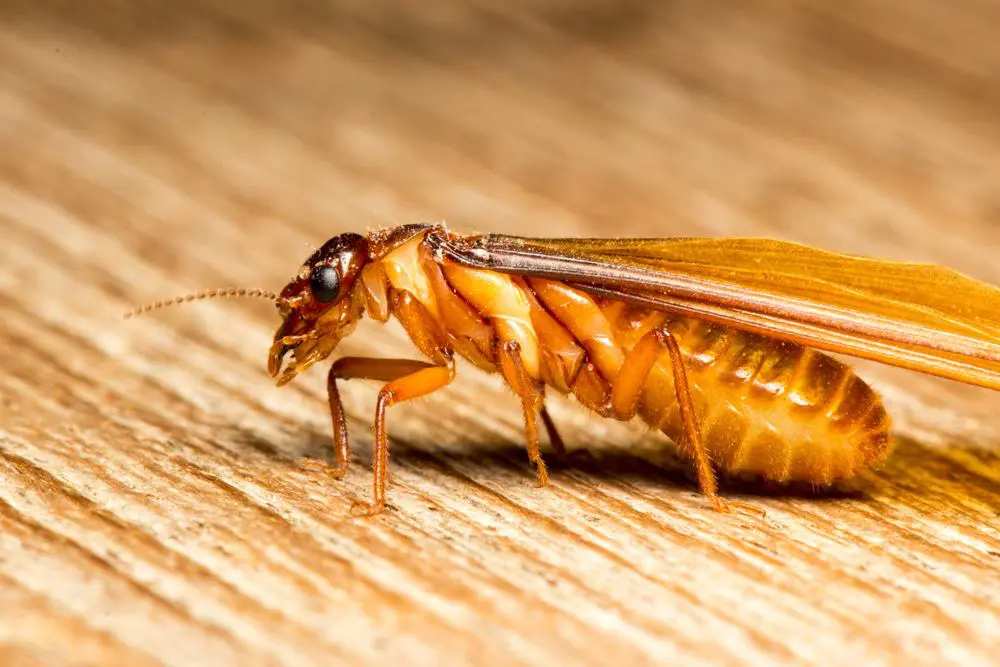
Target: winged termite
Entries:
(719, 343)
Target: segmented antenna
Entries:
(225, 293)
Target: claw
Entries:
(359, 509)
(322, 467)
(542, 475)
(720, 504)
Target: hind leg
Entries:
(627, 389)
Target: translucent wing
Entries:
(918, 316)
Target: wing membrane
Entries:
(918, 316)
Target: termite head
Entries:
(319, 307)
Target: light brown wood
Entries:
(154, 503)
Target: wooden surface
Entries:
(153, 505)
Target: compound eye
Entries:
(324, 281)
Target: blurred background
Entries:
(841, 124)
(206, 139)
(150, 148)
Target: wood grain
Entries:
(154, 508)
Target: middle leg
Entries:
(532, 402)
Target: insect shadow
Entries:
(653, 467)
(943, 474)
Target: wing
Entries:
(918, 316)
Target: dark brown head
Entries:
(319, 306)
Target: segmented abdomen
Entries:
(767, 408)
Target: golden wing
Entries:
(918, 316)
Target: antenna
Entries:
(224, 293)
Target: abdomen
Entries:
(767, 408)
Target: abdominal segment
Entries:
(766, 408)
